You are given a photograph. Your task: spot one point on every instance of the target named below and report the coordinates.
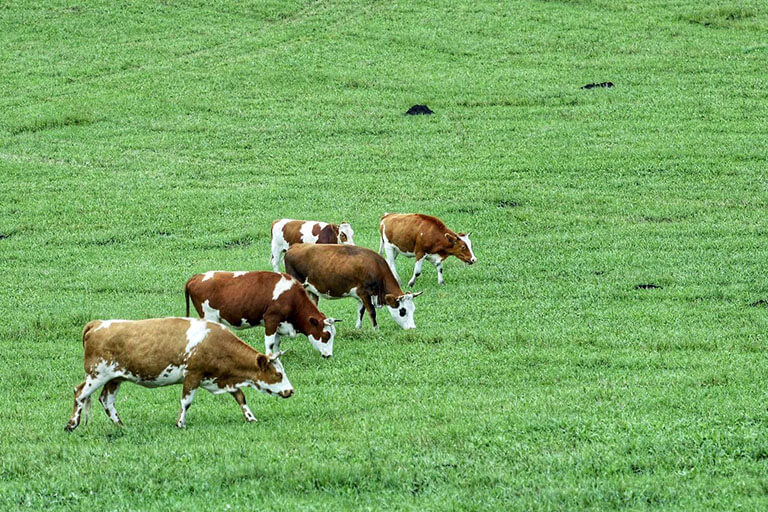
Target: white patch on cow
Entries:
(106, 323)
(209, 313)
(325, 348)
(286, 329)
(306, 231)
(239, 273)
(198, 330)
(209, 275)
(405, 321)
(346, 228)
(467, 241)
(171, 374)
(211, 386)
(283, 285)
(311, 288)
(279, 244)
(390, 252)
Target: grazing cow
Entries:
(165, 351)
(286, 232)
(336, 271)
(247, 299)
(425, 238)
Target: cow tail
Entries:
(87, 329)
(186, 296)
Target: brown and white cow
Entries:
(423, 237)
(336, 271)
(286, 232)
(165, 351)
(247, 299)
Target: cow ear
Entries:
(262, 362)
(391, 300)
(451, 238)
(314, 321)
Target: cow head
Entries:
(346, 234)
(401, 308)
(321, 333)
(461, 247)
(271, 376)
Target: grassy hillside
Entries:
(143, 142)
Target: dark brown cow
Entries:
(336, 271)
(286, 232)
(165, 351)
(247, 299)
(423, 237)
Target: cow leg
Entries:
(370, 309)
(439, 267)
(239, 397)
(420, 257)
(271, 336)
(277, 254)
(107, 399)
(391, 253)
(360, 313)
(187, 395)
(82, 407)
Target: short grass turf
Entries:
(143, 142)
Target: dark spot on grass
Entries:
(3, 236)
(647, 286)
(164, 234)
(465, 209)
(106, 241)
(419, 110)
(507, 203)
(419, 484)
(601, 84)
(660, 219)
(238, 242)
(599, 272)
(115, 435)
(39, 125)
(760, 303)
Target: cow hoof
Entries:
(70, 427)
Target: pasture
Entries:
(144, 142)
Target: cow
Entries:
(165, 351)
(246, 299)
(286, 232)
(423, 237)
(336, 271)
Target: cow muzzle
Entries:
(286, 393)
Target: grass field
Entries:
(143, 142)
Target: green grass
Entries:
(143, 142)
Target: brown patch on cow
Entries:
(315, 229)
(328, 235)
(292, 231)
